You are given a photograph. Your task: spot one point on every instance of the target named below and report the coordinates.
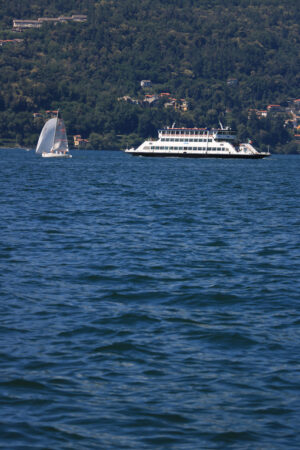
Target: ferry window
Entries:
(209, 140)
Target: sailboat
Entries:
(53, 142)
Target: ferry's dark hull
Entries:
(200, 155)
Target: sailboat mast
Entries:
(55, 130)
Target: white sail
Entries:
(60, 143)
(53, 139)
(46, 139)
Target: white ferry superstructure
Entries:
(197, 143)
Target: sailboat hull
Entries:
(56, 155)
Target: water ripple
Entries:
(149, 303)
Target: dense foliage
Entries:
(187, 47)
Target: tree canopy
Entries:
(189, 48)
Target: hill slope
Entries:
(187, 48)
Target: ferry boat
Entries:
(197, 143)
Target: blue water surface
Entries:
(149, 303)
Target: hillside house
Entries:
(128, 99)
(7, 41)
(19, 25)
(274, 108)
(79, 142)
(151, 99)
(232, 82)
(48, 20)
(146, 83)
(74, 18)
(180, 105)
(184, 105)
(258, 112)
(79, 18)
(171, 104)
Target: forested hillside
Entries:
(188, 48)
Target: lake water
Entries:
(149, 303)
